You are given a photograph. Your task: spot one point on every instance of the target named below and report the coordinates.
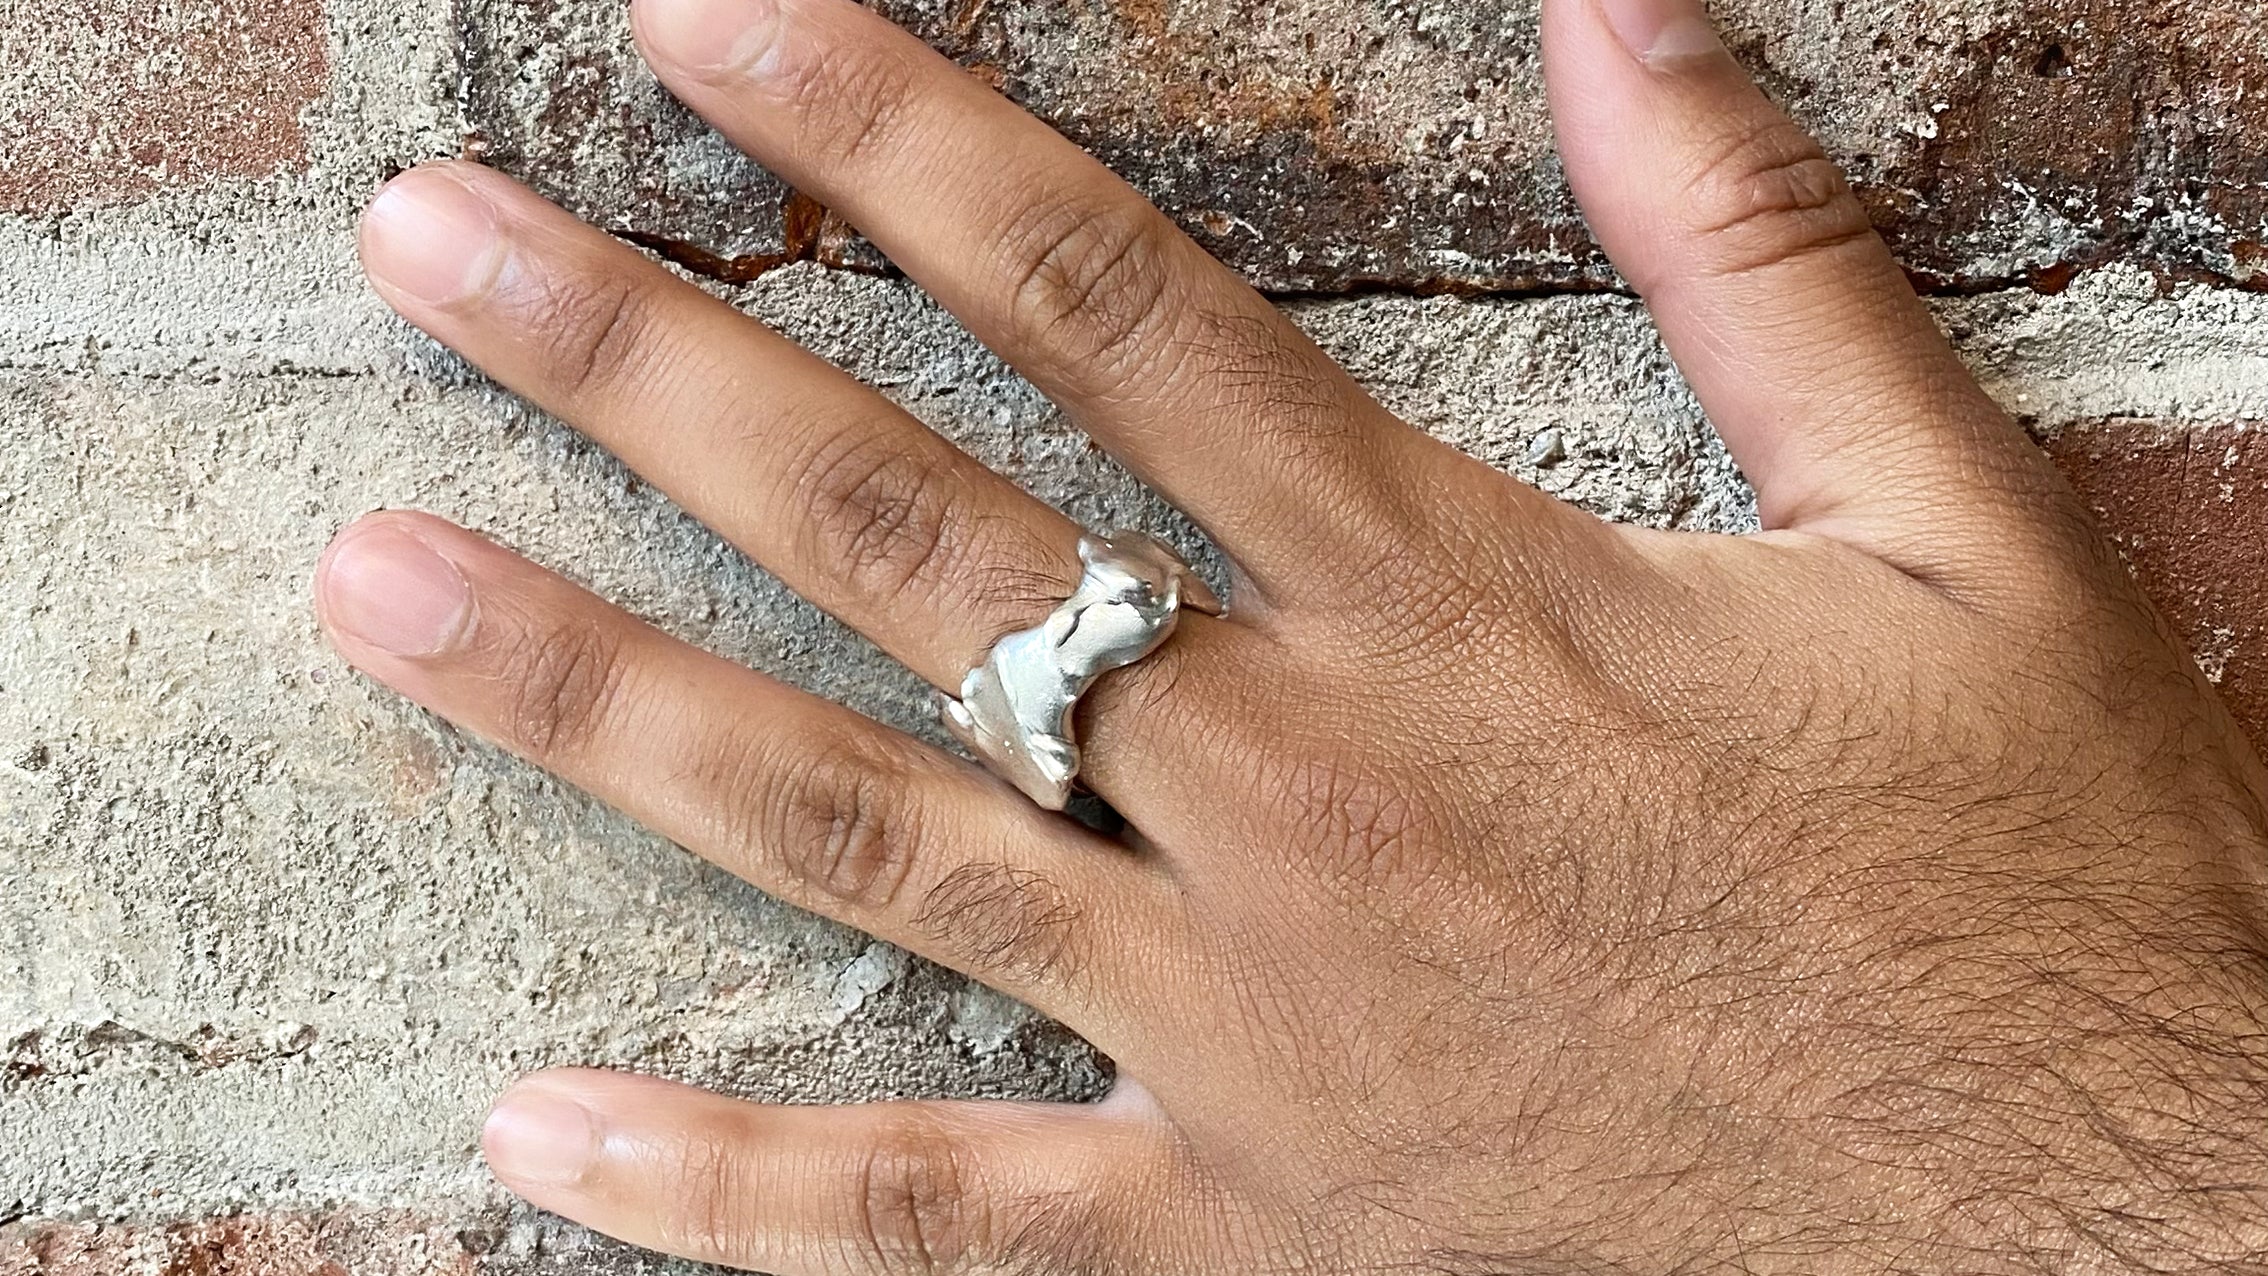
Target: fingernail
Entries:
(388, 589)
(1660, 32)
(433, 237)
(710, 38)
(539, 1138)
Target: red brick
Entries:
(2137, 120)
(348, 1243)
(2188, 505)
(128, 98)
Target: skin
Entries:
(1512, 892)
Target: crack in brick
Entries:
(810, 230)
(76, 1050)
(806, 244)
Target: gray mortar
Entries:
(271, 937)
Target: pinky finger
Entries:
(886, 1189)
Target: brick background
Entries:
(441, 1240)
(1326, 145)
(108, 101)
(392, 1242)
(253, 912)
(2188, 506)
(2131, 126)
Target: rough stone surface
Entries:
(258, 1245)
(487, 1241)
(270, 938)
(1321, 145)
(129, 97)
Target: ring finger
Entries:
(802, 797)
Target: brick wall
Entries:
(270, 939)
(112, 101)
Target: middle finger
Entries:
(1174, 363)
(842, 494)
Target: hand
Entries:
(1512, 892)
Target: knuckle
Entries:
(1091, 282)
(1411, 610)
(1160, 683)
(1773, 196)
(1259, 370)
(1361, 826)
(562, 682)
(841, 819)
(1003, 920)
(594, 328)
(850, 101)
(920, 1204)
(1064, 1233)
(711, 1216)
(1430, 609)
(883, 517)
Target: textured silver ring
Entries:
(1015, 711)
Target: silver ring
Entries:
(1015, 711)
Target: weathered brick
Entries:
(2188, 505)
(2110, 129)
(418, 1239)
(554, 94)
(1318, 144)
(346, 1243)
(109, 101)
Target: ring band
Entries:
(1015, 711)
